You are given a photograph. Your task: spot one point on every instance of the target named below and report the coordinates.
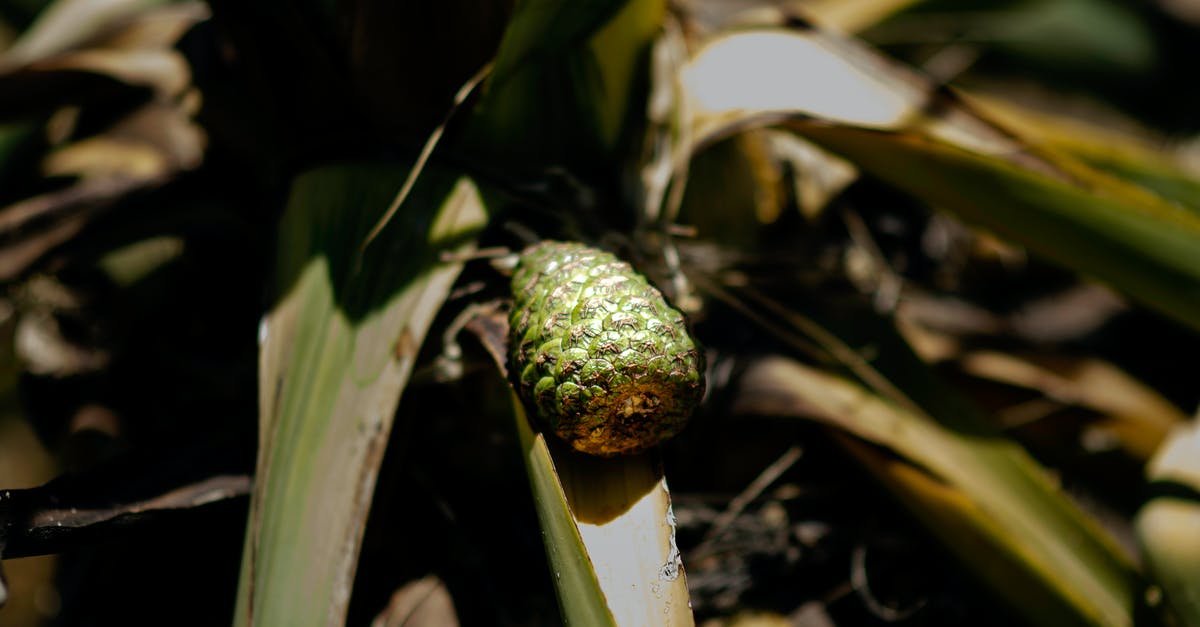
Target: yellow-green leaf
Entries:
(337, 347)
(606, 523)
(894, 124)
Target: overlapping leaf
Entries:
(337, 348)
(607, 524)
(988, 501)
(895, 125)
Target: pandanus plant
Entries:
(532, 197)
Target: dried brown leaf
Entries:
(425, 602)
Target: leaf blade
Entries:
(337, 350)
(896, 125)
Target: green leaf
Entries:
(543, 29)
(337, 348)
(622, 508)
(606, 522)
(580, 597)
(1135, 243)
(981, 495)
(1116, 146)
(562, 81)
(895, 125)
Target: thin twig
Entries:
(841, 351)
(720, 293)
(738, 504)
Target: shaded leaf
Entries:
(541, 30)
(562, 81)
(15, 141)
(1136, 414)
(607, 523)
(387, 49)
(1168, 525)
(337, 348)
(68, 212)
(895, 125)
(987, 499)
(72, 511)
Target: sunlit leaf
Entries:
(422, 603)
(66, 24)
(337, 348)
(606, 523)
(986, 499)
(1117, 148)
(121, 41)
(855, 15)
(895, 125)
(622, 509)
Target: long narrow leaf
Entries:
(895, 125)
(580, 596)
(1150, 255)
(984, 496)
(1140, 157)
(337, 349)
(562, 81)
(606, 523)
(622, 509)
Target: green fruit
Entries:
(608, 365)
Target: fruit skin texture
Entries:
(608, 365)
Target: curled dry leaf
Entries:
(67, 211)
(155, 141)
(81, 51)
(425, 602)
(857, 88)
(60, 514)
(69, 24)
(1137, 415)
(118, 52)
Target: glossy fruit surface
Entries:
(607, 364)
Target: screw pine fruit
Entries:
(608, 365)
